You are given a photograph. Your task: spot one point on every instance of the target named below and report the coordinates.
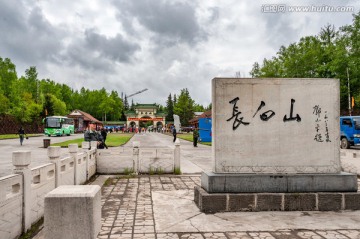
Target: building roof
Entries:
(129, 113)
(206, 114)
(145, 106)
(162, 114)
(86, 116)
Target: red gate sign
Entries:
(145, 119)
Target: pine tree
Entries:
(126, 104)
(169, 109)
(132, 108)
(174, 101)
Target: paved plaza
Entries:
(162, 206)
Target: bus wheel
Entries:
(345, 143)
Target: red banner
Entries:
(145, 119)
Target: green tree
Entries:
(126, 104)
(169, 109)
(7, 77)
(5, 104)
(330, 54)
(184, 107)
(198, 108)
(54, 106)
(32, 83)
(117, 106)
(27, 110)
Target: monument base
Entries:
(235, 202)
(278, 183)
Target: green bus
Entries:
(58, 126)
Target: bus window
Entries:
(53, 123)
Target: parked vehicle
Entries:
(349, 131)
(58, 126)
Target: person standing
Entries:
(21, 133)
(103, 135)
(195, 137)
(174, 133)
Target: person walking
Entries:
(21, 133)
(174, 133)
(195, 137)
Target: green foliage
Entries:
(198, 108)
(15, 136)
(5, 104)
(107, 182)
(184, 107)
(151, 171)
(177, 171)
(128, 171)
(112, 140)
(169, 109)
(27, 98)
(35, 228)
(158, 171)
(330, 54)
(7, 77)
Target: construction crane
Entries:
(141, 91)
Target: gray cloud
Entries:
(116, 48)
(171, 22)
(162, 45)
(26, 34)
(98, 53)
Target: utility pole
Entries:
(348, 81)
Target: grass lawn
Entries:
(15, 136)
(112, 140)
(189, 137)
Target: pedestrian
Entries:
(21, 133)
(103, 134)
(195, 137)
(101, 140)
(174, 133)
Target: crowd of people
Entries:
(91, 134)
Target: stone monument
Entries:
(177, 123)
(275, 136)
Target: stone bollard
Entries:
(136, 146)
(73, 212)
(93, 144)
(21, 160)
(85, 145)
(54, 156)
(73, 149)
(177, 155)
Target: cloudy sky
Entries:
(162, 45)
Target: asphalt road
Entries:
(33, 144)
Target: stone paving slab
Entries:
(163, 207)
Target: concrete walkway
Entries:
(34, 145)
(163, 207)
(193, 160)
